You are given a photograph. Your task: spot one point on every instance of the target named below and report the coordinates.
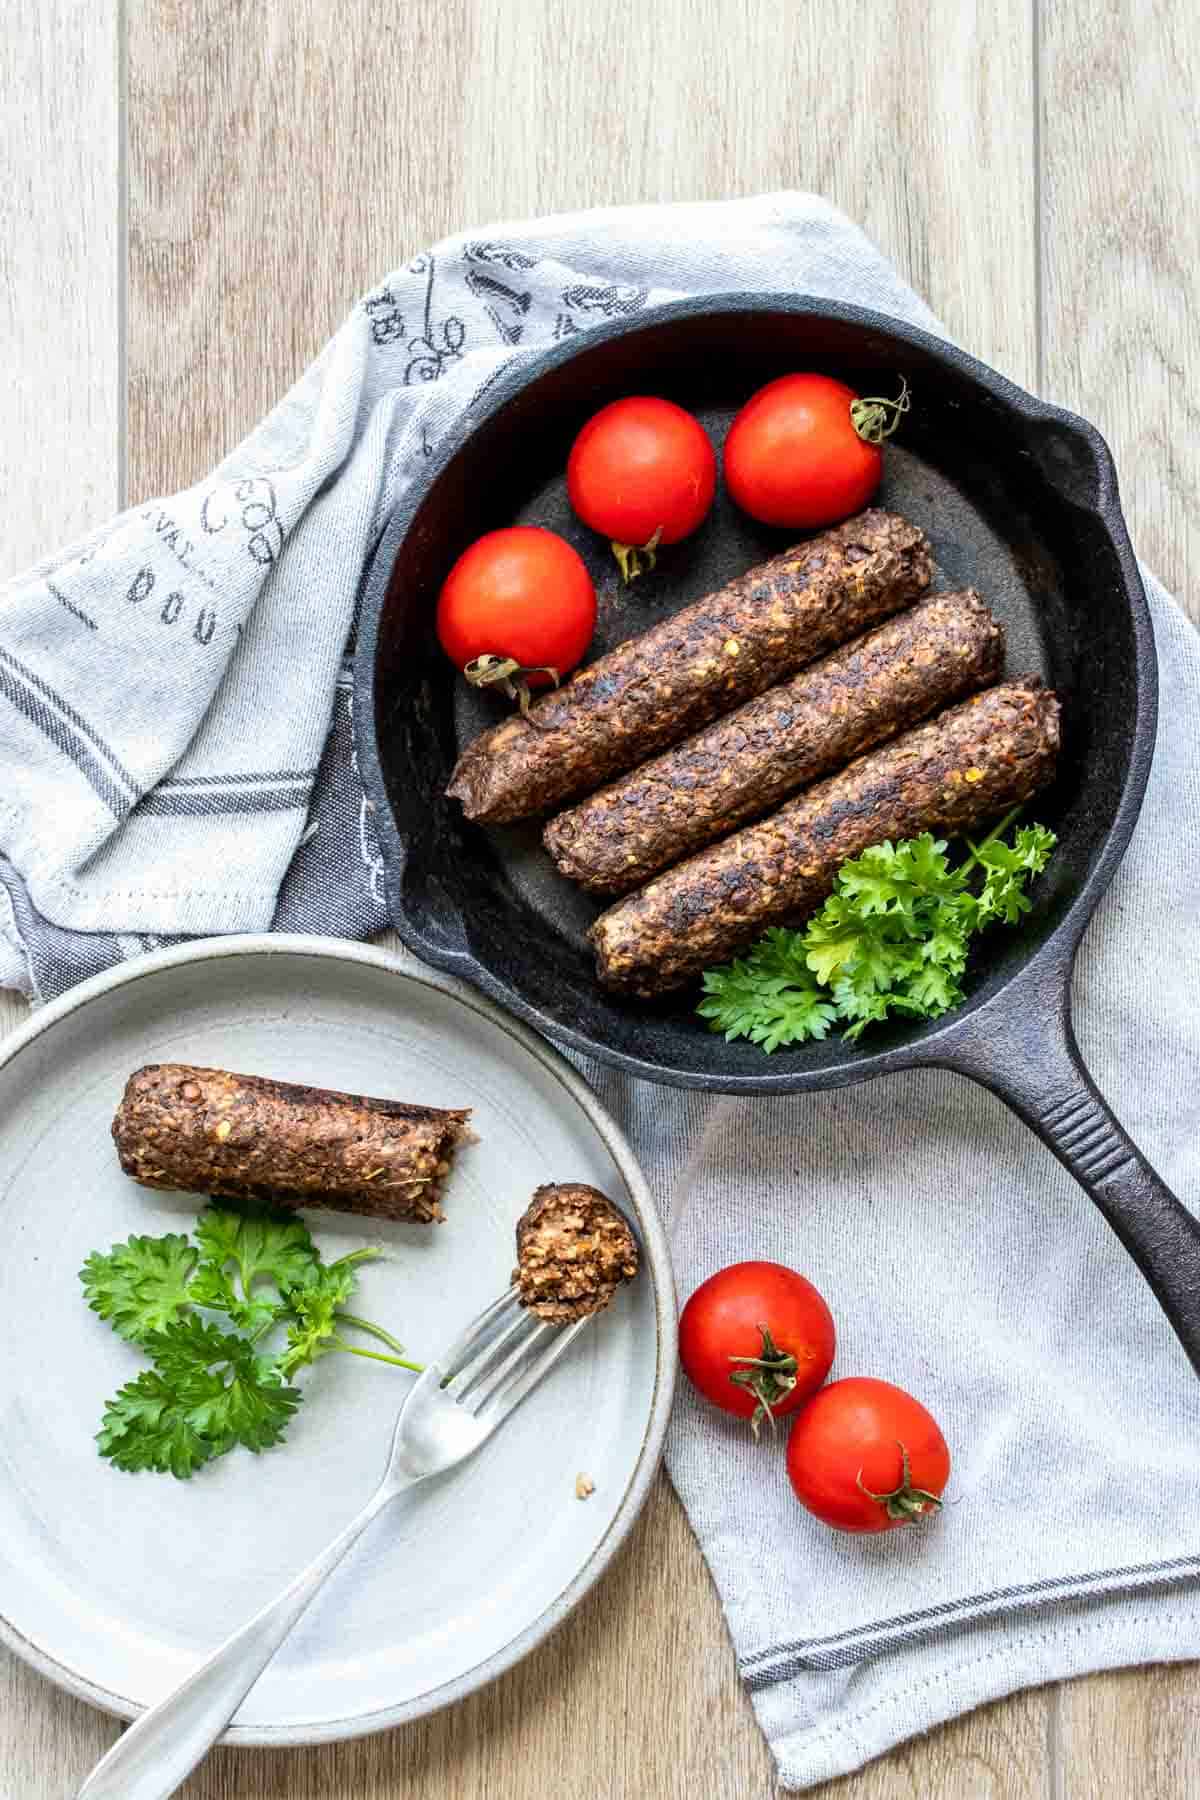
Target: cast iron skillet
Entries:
(1018, 498)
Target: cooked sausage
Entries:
(984, 755)
(946, 646)
(706, 659)
(574, 1249)
(242, 1136)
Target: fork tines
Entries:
(503, 1354)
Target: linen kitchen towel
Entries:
(167, 691)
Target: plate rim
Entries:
(658, 1260)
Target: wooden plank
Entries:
(916, 120)
(59, 276)
(1119, 136)
(1133, 1732)
(59, 474)
(276, 171)
(59, 288)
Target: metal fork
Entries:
(453, 1408)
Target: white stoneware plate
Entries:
(116, 1585)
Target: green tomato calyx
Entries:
(770, 1377)
(629, 556)
(876, 418)
(905, 1503)
(506, 673)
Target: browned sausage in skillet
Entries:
(704, 660)
(243, 1137)
(974, 761)
(946, 646)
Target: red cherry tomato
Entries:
(866, 1456)
(793, 456)
(642, 472)
(521, 593)
(756, 1338)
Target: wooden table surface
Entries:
(194, 193)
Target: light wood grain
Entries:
(59, 461)
(1120, 146)
(59, 474)
(1135, 1732)
(276, 170)
(60, 285)
(60, 276)
(1120, 133)
(902, 114)
(280, 158)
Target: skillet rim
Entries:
(1046, 969)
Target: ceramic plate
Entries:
(116, 1585)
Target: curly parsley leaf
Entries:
(208, 1390)
(312, 1327)
(1006, 870)
(769, 996)
(141, 1285)
(145, 1426)
(211, 1389)
(318, 1314)
(214, 1288)
(892, 938)
(244, 1248)
(262, 1242)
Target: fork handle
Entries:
(163, 1746)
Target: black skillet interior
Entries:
(1017, 500)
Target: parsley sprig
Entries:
(892, 938)
(211, 1384)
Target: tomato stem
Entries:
(505, 672)
(399, 1362)
(905, 1502)
(769, 1377)
(629, 556)
(876, 418)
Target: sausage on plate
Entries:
(946, 646)
(970, 763)
(245, 1137)
(574, 1249)
(704, 660)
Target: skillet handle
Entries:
(1033, 1063)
